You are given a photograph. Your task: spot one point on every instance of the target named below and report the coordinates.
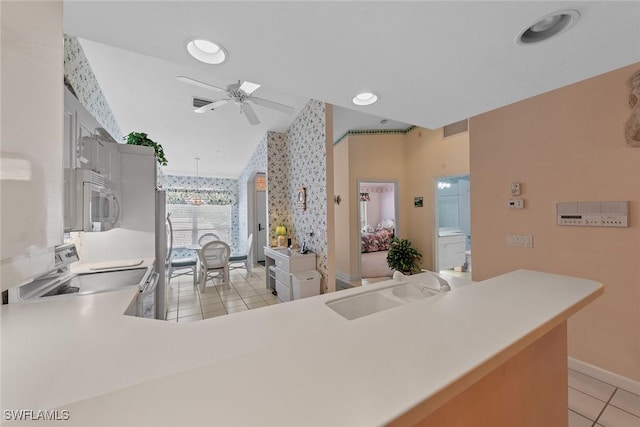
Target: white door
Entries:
(261, 223)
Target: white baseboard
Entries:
(346, 277)
(603, 375)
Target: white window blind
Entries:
(190, 222)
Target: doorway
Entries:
(453, 225)
(261, 216)
(377, 222)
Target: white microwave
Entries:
(98, 202)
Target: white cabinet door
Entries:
(68, 163)
(31, 162)
(451, 252)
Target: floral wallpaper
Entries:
(78, 73)
(306, 147)
(278, 200)
(296, 158)
(222, 187)
(257, 163)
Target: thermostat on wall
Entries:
(593, 214)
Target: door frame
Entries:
(396, 211)
(436, 216)
(251, 213)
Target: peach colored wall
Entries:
(429, 156)
(330, 233)
(565, 145)
(342, 211)
(373, 158)
(414, 160)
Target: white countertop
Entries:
(96, 267)
(297, 363)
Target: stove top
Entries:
(61, 282)
(99, 282)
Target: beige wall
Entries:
(374, 158)
(565, 145)
(330, 233)
(414, 160)
(428, 156)
(342, 211)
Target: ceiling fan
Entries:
(240, 94)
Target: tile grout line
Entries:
(604, 407)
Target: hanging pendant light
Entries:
(197, 199)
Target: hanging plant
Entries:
(139, 138)
(403, 257)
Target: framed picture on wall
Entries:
(418, 202)
(302, 198)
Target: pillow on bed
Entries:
(386, 224)
(367, 229)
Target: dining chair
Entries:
(214, 258)
(244, 259)
(207, 237)
(178, 265)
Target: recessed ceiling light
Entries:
(365, 98)
(549, 26)
(206, 51)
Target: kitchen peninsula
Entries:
(496, 348)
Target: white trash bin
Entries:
(306, 284)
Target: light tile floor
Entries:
(245, 292)
(596, 403)
(592, 403)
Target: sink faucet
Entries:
(443, 288)
(444, 285)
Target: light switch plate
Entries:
(520, 240)
(515, 188)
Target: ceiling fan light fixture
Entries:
(206, 51)
(365, 98)
(548, 26)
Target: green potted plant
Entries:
(403, 257)
(140, 138)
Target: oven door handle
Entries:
(151, 284)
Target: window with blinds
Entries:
(191, 221)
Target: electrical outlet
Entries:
(515, 188)
(515, 204)
(520, 240)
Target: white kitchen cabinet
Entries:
(86, 146)
(286, 263)
(31, 182)
(139, 176)
(451, 251)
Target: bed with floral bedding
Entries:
(374, 246)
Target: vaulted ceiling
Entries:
(431, 63)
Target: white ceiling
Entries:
(431, 63)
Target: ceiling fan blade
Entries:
(249, 113)
(271, 104)
(201, 84)
(212, 106)
(249, 87)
